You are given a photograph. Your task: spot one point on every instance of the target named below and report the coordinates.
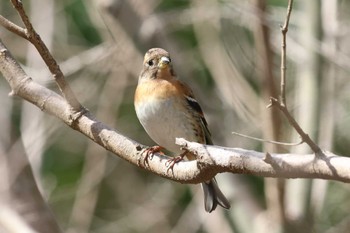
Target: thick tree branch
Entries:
(237, 160)
(211, 159)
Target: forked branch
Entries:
(282, 104)
(33, 37)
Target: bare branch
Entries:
(237, 160)
(211, 159)
(284, 30)
(33, 37)
(269, 141)
(282, 105)
(13, 27)
(304, 136)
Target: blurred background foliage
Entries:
(229, 53)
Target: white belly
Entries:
(163, 123)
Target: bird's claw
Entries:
(171, 162)
(149, 152)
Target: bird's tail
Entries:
(213, 196)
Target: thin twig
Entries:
(281, 105)
(269, 141)
(13, 27)
(304, 136)
(34, 38)
(284, 30)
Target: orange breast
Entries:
(155, 89)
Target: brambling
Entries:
(167, 109)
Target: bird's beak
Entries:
(164, 62)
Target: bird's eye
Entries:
(150, 62)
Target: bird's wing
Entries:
(193, 103)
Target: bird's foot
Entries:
(149, 152)
(171, 162)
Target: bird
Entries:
(167, 109)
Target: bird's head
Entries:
(157, 65)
